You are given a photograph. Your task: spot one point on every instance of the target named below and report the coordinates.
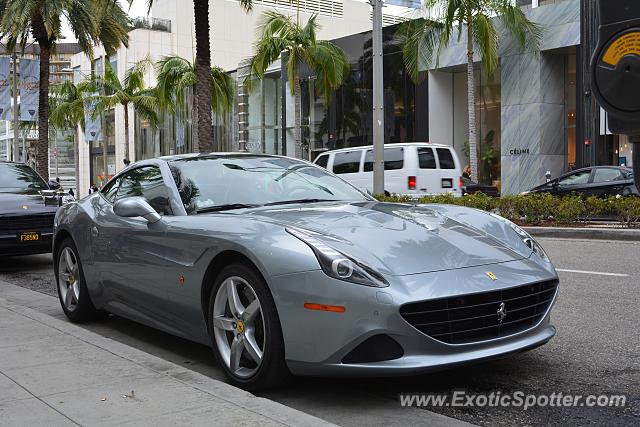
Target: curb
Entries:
(585, 233)
(30, 303)
(274, 411)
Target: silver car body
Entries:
(159, 274)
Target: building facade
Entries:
(61, 146)
(532, 114)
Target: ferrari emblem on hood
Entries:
(492, 276)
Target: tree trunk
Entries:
(297, 130)
(471, 97)
(194, 123)
(42, 146)
(126, 133)
(202, 93)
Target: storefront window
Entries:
(171, 135)
(488, 116)
(570, 96)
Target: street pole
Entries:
(378, 100)
(15, 107)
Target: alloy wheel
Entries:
(68, 279)
(238, 326)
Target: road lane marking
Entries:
(600, 273)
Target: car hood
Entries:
(30, 203)
(397, 239)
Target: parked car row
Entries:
(27, 208)
(423, 169)
(592, 181)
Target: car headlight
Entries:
(338, 265)
(526, 237)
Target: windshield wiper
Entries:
(227, 207)
(287, 202)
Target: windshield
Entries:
(18, 178)
(244, 180)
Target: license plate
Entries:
(447, 183)
(29, 236)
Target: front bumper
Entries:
(9, 244)
(316, 342)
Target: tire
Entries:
(72, 289)
(247, 344)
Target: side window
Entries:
(446, 158)
(426, 158)
(109, 191)
(322, 161)
(393, 159)
(348, 162)
(606, 175)
(581, 177)
(146, 182)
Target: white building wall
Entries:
(460, 115)
(448, 123)
(233, 31)
(440, 107)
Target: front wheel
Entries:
(72, 289)
(245, 329)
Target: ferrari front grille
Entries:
(13, 224)
(464, 319)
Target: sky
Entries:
(138, 8)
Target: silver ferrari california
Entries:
(282, 267)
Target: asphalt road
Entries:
(596, 351)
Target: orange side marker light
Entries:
(324, 307)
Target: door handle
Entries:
(94, 231)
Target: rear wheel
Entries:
(72, 289)
(245, 329)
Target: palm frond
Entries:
(222, 90)
(247, 5)
(174, 76)
(485, 36)
(420, 40)
(279, 34)
(525, 32)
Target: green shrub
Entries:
(539, 208)
(569, 209)
(627, 209)
(594, 207)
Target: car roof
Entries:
(623, 168)
(177, 157)
(395, 144)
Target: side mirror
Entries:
(136, 206)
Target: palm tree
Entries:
(424, 38)
(176, 75)
(129, 92)
(202, 90)
(66, 111)
(92, 22)
(278, 34)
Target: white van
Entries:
(414, 168)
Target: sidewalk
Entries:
(55, 373)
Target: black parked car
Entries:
(27, 209)
(593, 181)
